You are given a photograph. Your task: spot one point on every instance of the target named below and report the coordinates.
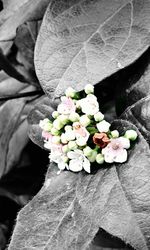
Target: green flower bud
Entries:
(72, 145)
(100, 159)
(65, 149)
(84, 120)
(64, 138)
(98, 117)
(57, 124)
(54, 131)
(87, 151)
(89, 89)
(70, 135)
(65, 159)
(70, 92)
(92, 158)
(55, 114)
(68, 127)
(46, 125)
(115, 133)
(63, 119)
(74, 117)
(131, 134)
(56, 139)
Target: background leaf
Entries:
(15, 13)
(81, 204)
(85, 41)
(25, 41)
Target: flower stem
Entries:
(21, 95)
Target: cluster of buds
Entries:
(78, 133)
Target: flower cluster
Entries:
(79, 135)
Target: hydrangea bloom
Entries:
(116, 151)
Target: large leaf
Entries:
(135, 85)
(70, 208)
(85, 41)
(15, 13)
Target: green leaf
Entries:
(84, 42)
(70, 208)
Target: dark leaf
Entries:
(16, 13)
(70, 208)
(85, 41)
(10, 86)
(25, 41)
(139, 114)
(13, 130)
(135, 85)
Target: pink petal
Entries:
(46, 135)
(124, 142)
(121, 156)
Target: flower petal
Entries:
(121, 156)
(108, 155)
(87, 165)
(75, 165)
(72, 155)
(124, 142)
(61, 165)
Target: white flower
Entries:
(78, 161)
(46, 124)
(55, 114)
(70, 135)
(84, 120)
(116, 151)
(56, 139)
(81, 141)
(63, 119)
(81, 133)
(57, 124)
(98, 116)
(74, 117)
(65, 149)
(70, 92)
(57, 156)
(72, 145)
(68, 127)
(64, 138)
(87, 151)
(67, 106)
(89, 89)
(103, 126)
(89, 105)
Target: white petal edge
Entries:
(75, 165)
(122, 157)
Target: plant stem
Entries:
(21, 95)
